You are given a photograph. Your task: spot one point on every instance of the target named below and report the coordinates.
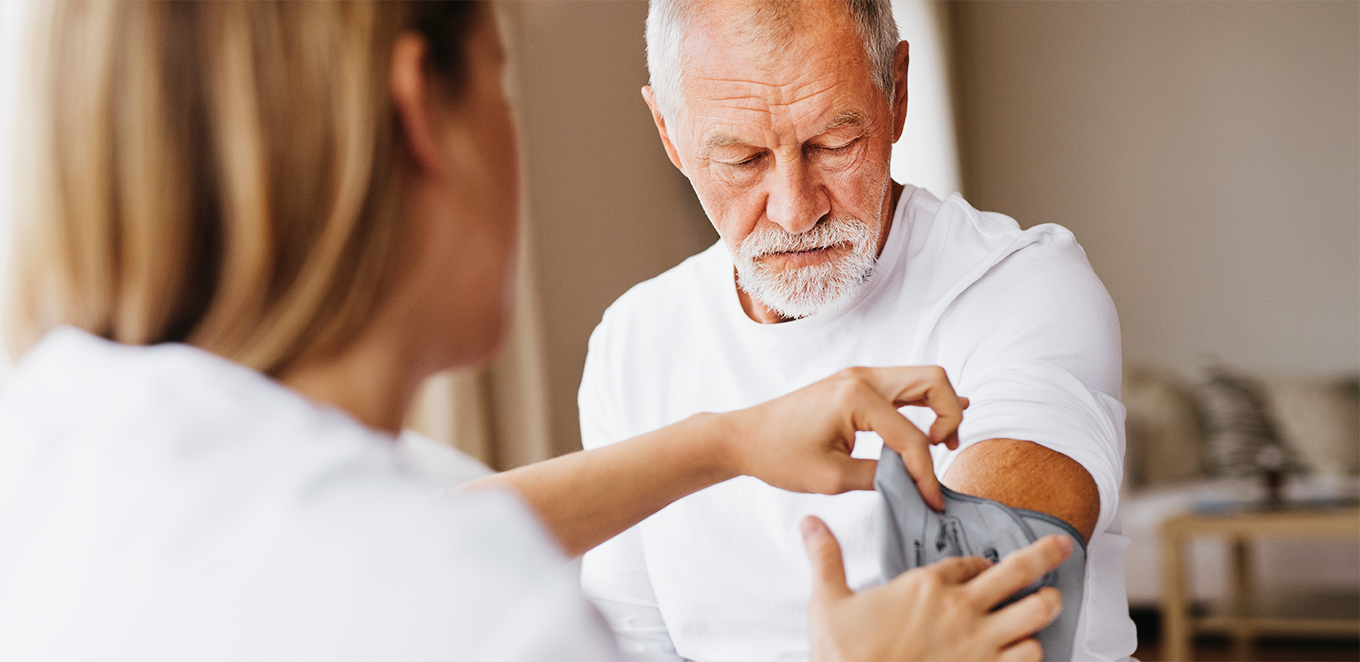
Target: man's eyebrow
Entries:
(845, 118)
(719, 139)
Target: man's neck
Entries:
(765, 315)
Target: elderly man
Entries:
(782, 115)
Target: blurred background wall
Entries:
(606, 209)
(1206, 154)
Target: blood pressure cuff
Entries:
(912, 534)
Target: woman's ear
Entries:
(411, 98)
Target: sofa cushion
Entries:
(1240, 425)
(1163, 429)
(1320, 420)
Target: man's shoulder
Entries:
(1046, 252)
(952, 246)
(1012, 263)
(673, 296)
(1037, 299)
(958, 223)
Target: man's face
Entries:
(788, 148)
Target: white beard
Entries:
(805, 291)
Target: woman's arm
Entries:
(799, 442)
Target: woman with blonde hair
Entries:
(252, 229)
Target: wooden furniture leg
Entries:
(1244, 600)
(1175, 624)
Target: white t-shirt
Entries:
(162, 503)
(438, 462)
(1018, 320)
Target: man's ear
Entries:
(900, 62)
(650, 98)
(411, 98)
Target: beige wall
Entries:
(606, 208)
(1207, 156)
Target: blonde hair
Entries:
(219, 173)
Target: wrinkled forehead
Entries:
(791, 62)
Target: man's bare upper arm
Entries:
(1023, 474)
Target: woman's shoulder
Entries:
(186, 485)
(202, 430)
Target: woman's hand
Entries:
(802, 441)
(942, 611)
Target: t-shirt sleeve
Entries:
(614, 574)
(1038, 342)
(597, 407)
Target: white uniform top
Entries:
(163, 503)
(1017, 318)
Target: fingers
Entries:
(1024, 651)
(1025, 617)
(952, 441)
(900, 435)
(923, 386)
(948, 416)
(828, 569)
(959, 569)
(1020, 569)
(921, 466)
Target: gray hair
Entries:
(667, 21)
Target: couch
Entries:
(1198, 438)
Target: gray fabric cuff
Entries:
(911, 535)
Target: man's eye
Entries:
(838, 149)
(745, 164)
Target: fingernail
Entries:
(809, 526)
(1065, 543)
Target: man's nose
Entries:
(795, 201)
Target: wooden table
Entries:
(1245, 619)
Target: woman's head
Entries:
(228, 174)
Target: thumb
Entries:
(828, 570)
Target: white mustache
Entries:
(828, 233)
